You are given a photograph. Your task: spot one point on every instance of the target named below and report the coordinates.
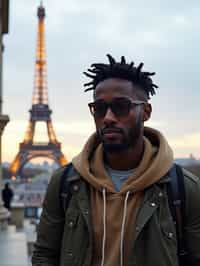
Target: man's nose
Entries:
(109, 117)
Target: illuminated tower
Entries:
(40, 111)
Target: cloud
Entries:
(185, 145)
(192, 141)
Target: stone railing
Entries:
(17, 215)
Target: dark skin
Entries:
(107, 90)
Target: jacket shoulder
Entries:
(56, 177)
(192, 186)
(192, 216)
(190, 176)
(59, 172)
(192, 190)
(52, 198)
(67, 171)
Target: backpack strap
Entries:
(176, 199)
(68, 176)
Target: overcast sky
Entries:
(165, 35)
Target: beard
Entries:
(114, 147)
(129, 139)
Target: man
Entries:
(7, 195)
(118, 212)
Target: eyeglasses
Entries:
(119, 106)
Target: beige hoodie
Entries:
(114, 213)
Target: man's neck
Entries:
(128, 159)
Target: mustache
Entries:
(111, 130)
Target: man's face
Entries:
(118, 132)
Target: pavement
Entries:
(13, 248)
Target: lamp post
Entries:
(4, 14)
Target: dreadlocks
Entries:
(99, 72)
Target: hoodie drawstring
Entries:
(122, 228)
(104, 227)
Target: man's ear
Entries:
(147, 109)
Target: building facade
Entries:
(4, 25)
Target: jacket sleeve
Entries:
(49, 234)
(192, 219)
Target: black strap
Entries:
(65, 191)
(176, 198)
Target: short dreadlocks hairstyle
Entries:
(99, 72)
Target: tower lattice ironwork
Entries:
(40, 111)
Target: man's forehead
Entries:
(114, 83)
(115, 86)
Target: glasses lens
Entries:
(121, 107)
(99, 108)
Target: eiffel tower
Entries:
(40, 111)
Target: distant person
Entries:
(7, 195)
(122, 201)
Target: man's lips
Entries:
(111, 133)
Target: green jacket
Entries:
(65, 239)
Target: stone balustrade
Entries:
(17, 215)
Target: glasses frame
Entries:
(109, 106)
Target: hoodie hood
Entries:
(156, 162)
